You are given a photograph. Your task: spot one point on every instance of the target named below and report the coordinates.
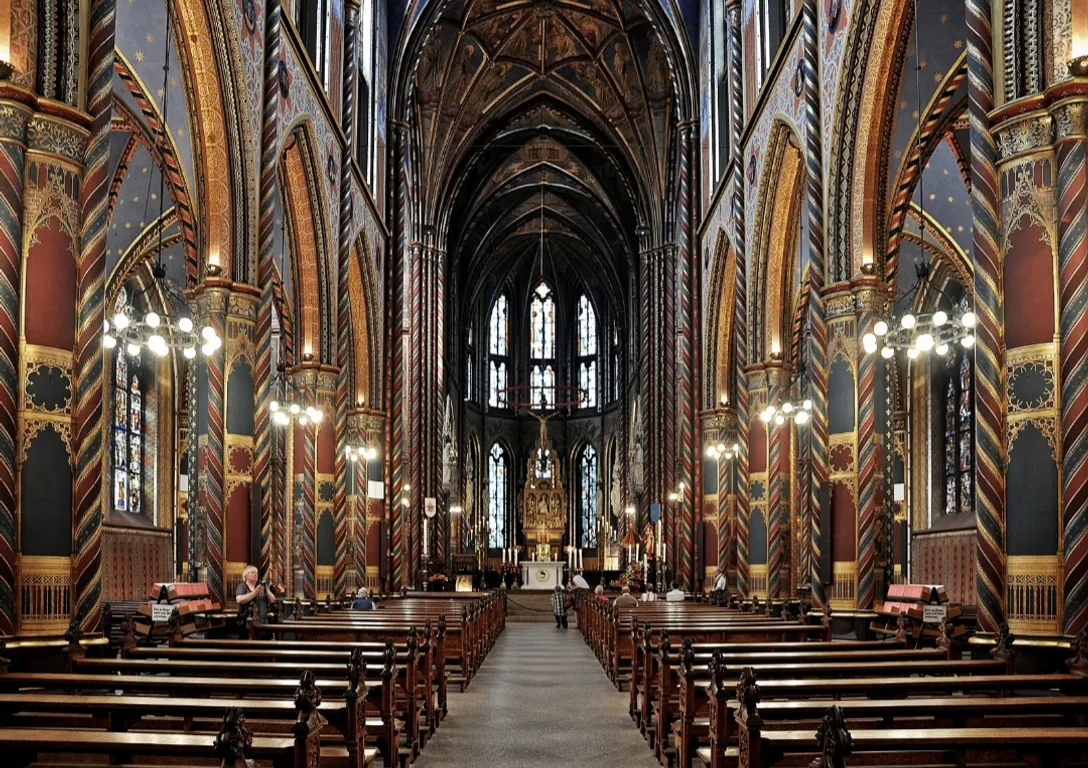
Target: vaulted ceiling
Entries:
(543, 114)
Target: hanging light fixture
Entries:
(799, 411)
(903, 329)
(161, 333)
(290, 403)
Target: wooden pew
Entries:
(901, 698)
(833, 743)
(233, 744)
(682, 719)
(227, 691)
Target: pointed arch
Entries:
(308, 243)
(720, 319)
(775, 241)
(211, 69)
(872, 71)
(364, 303)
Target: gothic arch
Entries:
(720, 318)
(935, 126)
(872, 68)
(211, 68)
(775, 242)
(365, 304)
(306, 212)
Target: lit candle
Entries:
(504, 557)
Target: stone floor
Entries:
(540, 699)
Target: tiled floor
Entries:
(540, 699)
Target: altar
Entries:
(541, 575)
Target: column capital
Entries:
(58, 136)
(1070, 118)
(13, 120)
(1022, 134)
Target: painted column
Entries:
(399, 438)
(326, 457)
(13, 120)
(428, 264)
(344, 577)
(740, 319)
(842, 420)
(239, 352)
(1031, 390)
(88, 409)
(752, 531)
(817, 349)
(211, 310)
(685, 374)
(870, 305)
(778, 483)
(1071, 119)
(989, 359)
(267, 472)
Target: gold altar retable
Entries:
(545, 502)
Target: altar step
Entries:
(528, 605)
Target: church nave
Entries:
(540, 699)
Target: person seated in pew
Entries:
(648, 596)
(249, 589)
(675, 594)
(626, 599)
(362, 601)
(598, 593)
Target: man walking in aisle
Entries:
(559, 607)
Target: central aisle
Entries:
(540, 699)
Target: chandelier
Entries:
(800, 412)
(159, 333)
(920, 332)
(291, 403)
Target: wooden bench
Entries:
(833, 743)
(230, 690)
(800, 698)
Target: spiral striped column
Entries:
(1072, 152)
(346, 544)
(989, 362)
(685, 370)
(776, 436)
(212, 303)
(308, 509)
(87, 411)
(870, 472)
(399, 444)
(13, 120)
(725, 500)
(266, 239)
(415, 411)
(817, 349)
(740, 318)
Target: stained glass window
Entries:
(498, 347)
(615, 363)
(542, 363)
(959, 435)
(542, 323)
(587, 498)
(128, 424)
(542, 383)
(586, 352)
(496, 498)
